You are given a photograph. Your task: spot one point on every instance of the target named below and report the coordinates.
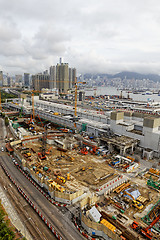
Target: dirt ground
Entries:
(86, 171)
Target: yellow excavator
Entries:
(61, 179)
(135, 203)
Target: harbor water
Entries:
(113, 91)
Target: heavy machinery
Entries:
(146, 232)
(75, 104)
(69, 157)
(48, 152)
(40, 120)
(61, 179)
(135, 203)
(84, 151)
(42, 154)
(32, 118)
(153, 184)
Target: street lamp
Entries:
(24, 226)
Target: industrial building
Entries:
(144, 129)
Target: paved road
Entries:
(63, 225)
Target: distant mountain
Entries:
(128, 75)
(135, 75)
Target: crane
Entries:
(75, 104)
(146, 232)
(0, 101)
(32, 113)
(42, 154)
(33, 105)
(40, 120)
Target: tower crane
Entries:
(0, 101)
(42, 154)
(33, 106)
(75, 105)
(32, 113)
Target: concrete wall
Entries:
(12, 129)
(92, 115)
(110, 185)
(63, 197)
(69, 123)
(149, 138)
(151, 122)
(98, 228)
(117, 116)
(90, 200)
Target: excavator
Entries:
(135, 203)
(40, 120)
(48, 152)
(146, 232)
(69, 157)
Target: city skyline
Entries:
(93, 36)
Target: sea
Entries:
(114, 91)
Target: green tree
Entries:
(6, 232)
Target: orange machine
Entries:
(146, 232)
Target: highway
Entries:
(60, 221)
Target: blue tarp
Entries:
(134, 193)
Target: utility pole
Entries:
(0, 101)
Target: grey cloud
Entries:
(47, 41)
(93, 36)
(8, 30)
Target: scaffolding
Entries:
(152, 215)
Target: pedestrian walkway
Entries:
(13, 216)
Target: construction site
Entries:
(67, 162)
(118, 196)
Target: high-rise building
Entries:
(1, 78)
(18, 80)
(74, 74)
(40, 81)
(62, 77)
(5, 81)
(26, 80)
(70, 78)
(9, 81)
(52, 77)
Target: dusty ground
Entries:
(85, 170)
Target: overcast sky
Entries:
(96, 36)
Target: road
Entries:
(58, 219)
